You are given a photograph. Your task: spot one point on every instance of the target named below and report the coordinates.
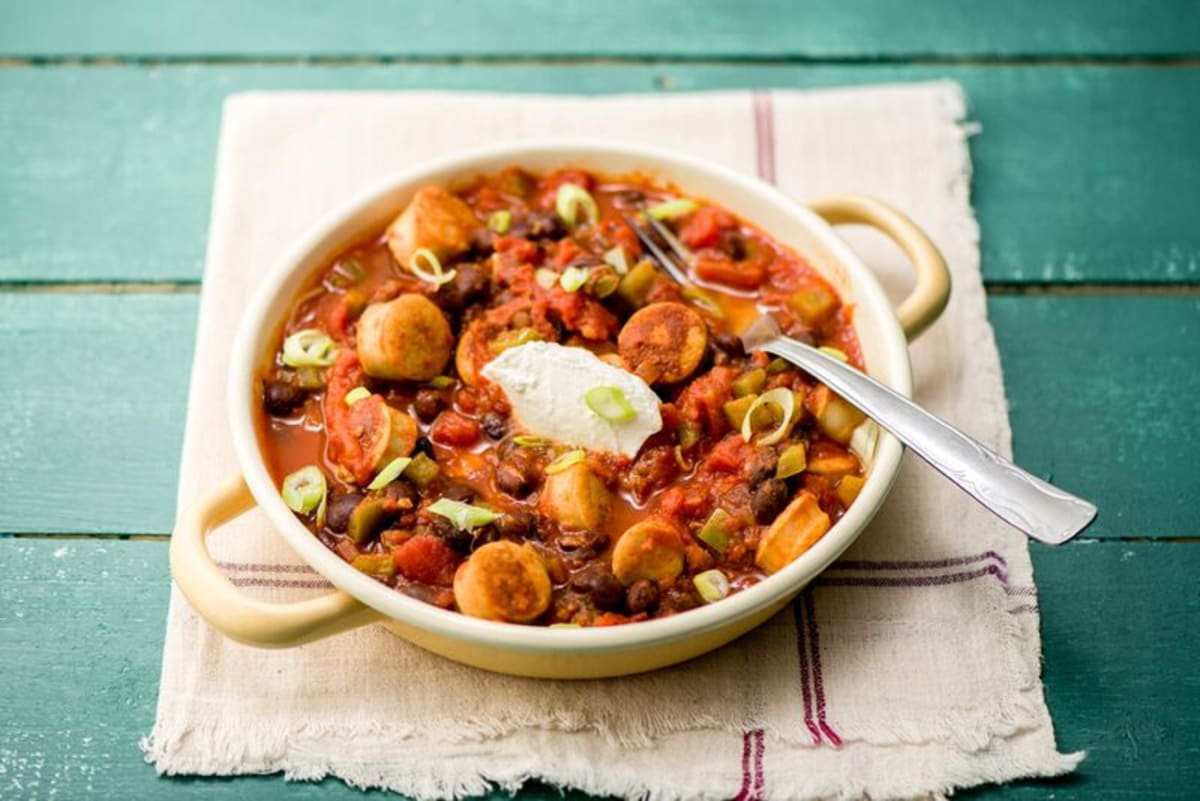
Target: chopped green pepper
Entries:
(750, 383)
(421, 470)
(793, 460)
(715, 531)
(367, 520)
(636, 283)
(380, 566)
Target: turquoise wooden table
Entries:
(1087, 186)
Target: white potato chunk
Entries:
(435, 219)
(796, 529)
(406, 339)
(576, 498)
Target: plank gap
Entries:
(594, 60)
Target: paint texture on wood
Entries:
(753, 29)
(1081, 173)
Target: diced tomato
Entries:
(715, 266)
(702, 401)
(702, 229)
(515, 249)
(730, 454)
(579, 312)
(452, 428)
(426, 559)
(548, 191)
(610, 619)
(621, 234)
(567, 250)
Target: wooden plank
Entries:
(97, 387)
(1117, 621)
(869, 29)
(1070, 171)
(93, 390)
(1101, 390)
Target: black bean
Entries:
(470, 283)
(582, 544)
(458, 492)
(513, 479)
(729, 344)
(281, 398)
(424, 445)
(733, 246)
(760, 466)
(769, 499)
(544, 225)
(459, 541)
(641, 596)
(516, 524)
(427, 404)
(401, 490)
(599, 584)
(337, 515)
(494, 425)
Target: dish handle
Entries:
(232, 612)
(929, 297)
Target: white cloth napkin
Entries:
(910, 668)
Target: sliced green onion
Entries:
(615, 258)
(499, 221)
(322, 507)
(424, 264)
(565, 626)
(863, 441)
(545, 277)
(781, 397)
(512, 338)
(568, 459)
(304, 490)
(573, 278)
(715, 531)
(792, 461)
(357, 394)
(389, 473)
(441, 382)
(570, 200)
(670, 209)
(712, 585)
(681, 460)
(463, 515)
(526, 441)
(610, 404)
(309, 347)
(836, 353)
(604, 285)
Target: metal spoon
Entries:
(1024, 501)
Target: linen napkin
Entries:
(909, 669)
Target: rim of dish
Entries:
(245, 361)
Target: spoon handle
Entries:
(1024, 501)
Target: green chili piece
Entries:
(792, 461)
(421, 470)
(380, 566)
(750, 383)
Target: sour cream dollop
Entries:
(545, 384)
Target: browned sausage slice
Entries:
(663, 342)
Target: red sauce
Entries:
(694, 466)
